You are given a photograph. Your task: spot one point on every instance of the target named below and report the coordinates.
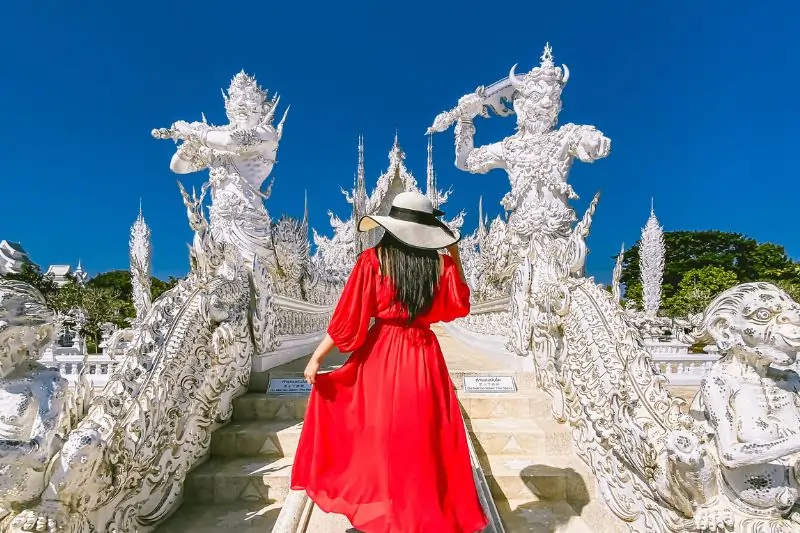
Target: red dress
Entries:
(383, 441)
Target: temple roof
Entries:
(59, 270)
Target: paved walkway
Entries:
(459, 357)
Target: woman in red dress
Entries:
(383, 441)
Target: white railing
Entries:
(98, 366)
(680, 367)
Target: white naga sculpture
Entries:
(141, 256)
(31, 396)
(657, 468)
(123, 467)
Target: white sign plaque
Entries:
(288, 386)
(489, 384)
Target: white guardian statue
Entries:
(537, 159)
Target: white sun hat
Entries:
(413, 221)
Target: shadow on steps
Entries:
(541, 515)
(548, 508)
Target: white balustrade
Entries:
(98, 367)
(679, 366)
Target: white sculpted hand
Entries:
(471, 105)
(595, 145)
(713, 520)
(48, 516)
(182, 130)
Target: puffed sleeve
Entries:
(452, 301)
(350, 321)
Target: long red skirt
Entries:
(383, 441)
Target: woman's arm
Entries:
(454, 253)
(323, 349)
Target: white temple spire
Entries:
(359, 196)
(305, 213)
(651, 263)
(432, 192)
(141, 252)
(615, 284)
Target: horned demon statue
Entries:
(657, 468)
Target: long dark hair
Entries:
(413, 272)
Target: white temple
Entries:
(62, 274)
(12, 257)
(570, 426)
(338, 253)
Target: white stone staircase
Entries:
(537, 483)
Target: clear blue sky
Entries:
(700, 100)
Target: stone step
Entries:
(525, 516)
(266, 480)
(524, 381)
(523, 478)
(513, 436)
(521, 404)
(257, 438)
(237, 517)
(262, 406)
(519, 436)
(228, 480)
(322, 522)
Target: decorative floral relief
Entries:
(122, 467)
(731, 466)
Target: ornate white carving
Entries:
(651, 263)
(654, 465)
(240, 157)
(32, 395)
(615, 286)
(751, 406)
(537, 159)
(123, 467)
(141, 256)
(335, 256)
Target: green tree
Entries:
(100, 304)
(119, 282)
(159, 287)
(693, 250)
(697, 288)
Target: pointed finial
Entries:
(140, 206)
(547, 55)
(396, 135)
(652, 206)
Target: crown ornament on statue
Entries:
(546, 74)
(244, 86)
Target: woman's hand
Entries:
(453, 251)
(310, 373)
